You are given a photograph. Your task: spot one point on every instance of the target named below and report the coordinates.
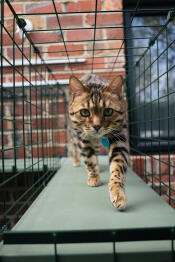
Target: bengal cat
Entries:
(96, 111)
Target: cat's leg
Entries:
(75, 155)
(118, 160)
(90, 159)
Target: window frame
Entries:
(139, 143)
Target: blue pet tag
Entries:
(104, 141)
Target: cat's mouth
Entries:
(94, 133)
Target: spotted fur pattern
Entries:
(96, 109)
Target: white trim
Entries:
(40, 62)
(35, 83)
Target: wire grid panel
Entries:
(152, 126)
(32, 120)
(95, 39)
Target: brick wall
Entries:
(49, 50)
(35, 116)
(159, 172)
(51, 46)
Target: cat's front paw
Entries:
(94, 181)
(76, 163)
(117, 197)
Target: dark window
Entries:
(152, 82)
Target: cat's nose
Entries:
(97, 127)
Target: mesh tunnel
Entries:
(42, 45)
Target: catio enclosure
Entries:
(42, 44)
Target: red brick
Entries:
(19, 124)
(105, 19)
(5, 139)
(150, 165)
(18, 78)
(79, 35)
(110, 76)
(36, 110)
(58, 68)
(7, 41)
(61, 122)
(138, 164)
(98, 63)
(62, 107)
(20, 153)
(114, 33)
(163, 178)
(65, 21)
(16, 6)
(8, 23)
(115, 44)
(45, 123)
(19, 109)
(7, 70)
(172, 178)
(173, 164)
(173, 190)
(39, 138)
(164, 165)
(82, 6)
(18, 54)
(115, 62)
(84, 66)
(113, 4)
(54, 151)
(45, 37)
(8, 125)
(35, 94)
(98, 34)
(67, 75)
(9, 154)
(60, 137)
(43, 7)
(37, 21)
(60, 50)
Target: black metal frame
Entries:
(139, 144)
(83, 236)
(93, 236)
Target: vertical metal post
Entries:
(168, 116)
(55, 247)
(151, 117)
(144, 115)
(14, 124)
(36, 118)
(158, 83)
(30, 110)
(42, 127)
(114, 250)
(2, 114)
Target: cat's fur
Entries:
(94, 94)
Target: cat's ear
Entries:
(77, 88)
(115, 87)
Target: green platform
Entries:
(67, 203)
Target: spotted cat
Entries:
(96, 110)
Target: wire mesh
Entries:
(137, 42)
(151, 107)
(30, 135)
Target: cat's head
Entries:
(96, 111)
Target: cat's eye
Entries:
(84, 112)
(108, 112)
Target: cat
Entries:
(96, 110)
